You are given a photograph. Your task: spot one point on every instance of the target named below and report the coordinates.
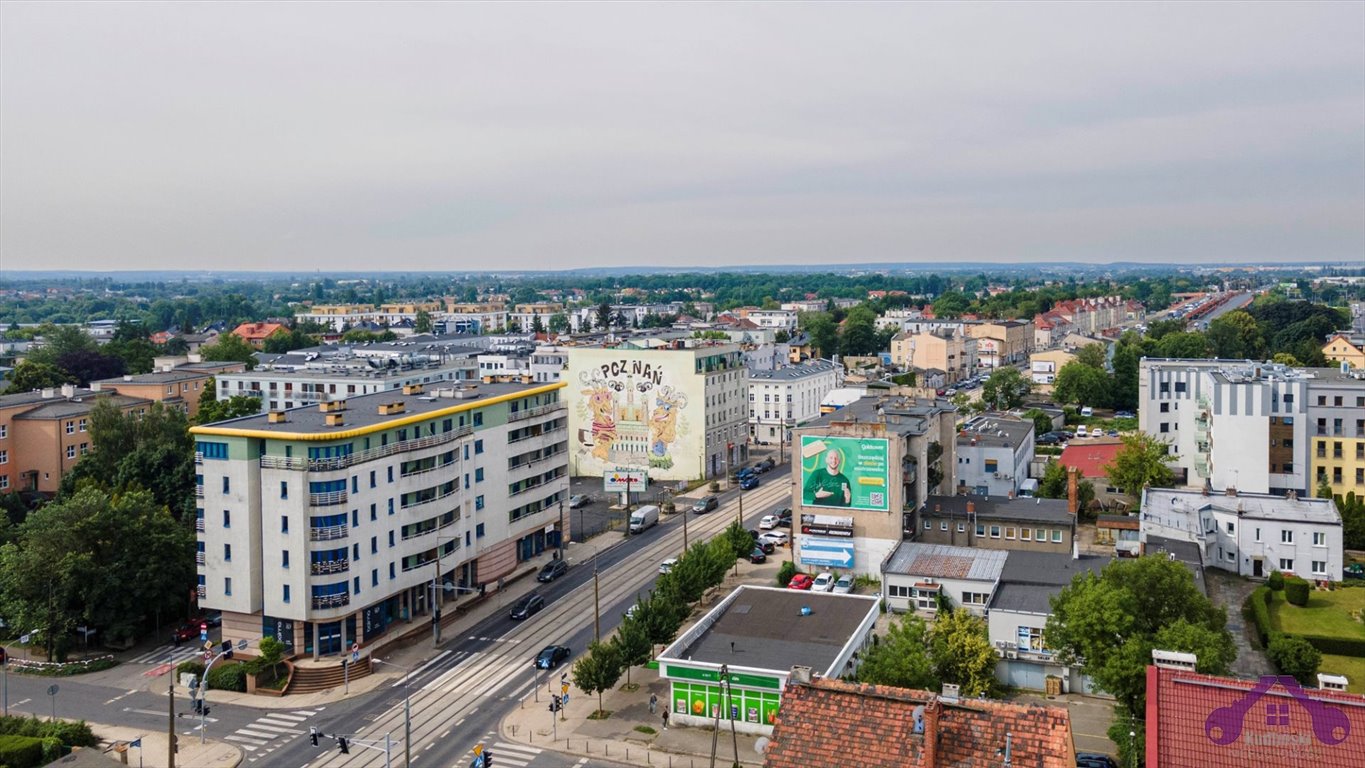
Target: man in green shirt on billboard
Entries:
(827, 486)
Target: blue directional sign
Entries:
(831, 553)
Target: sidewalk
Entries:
(152, 754)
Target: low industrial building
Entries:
(999, 522)
(915, 576)
(993, 455)
(734, 663)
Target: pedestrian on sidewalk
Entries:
(665, 719)
(653, 702)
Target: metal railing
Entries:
(329, 566)
(198, 558)
(327, 533)
(413, 505)
(539, 410)
(327, 499)
(199, 524)
(199, 491)
(330, 601)
(542, 433)
(342, 462)
(203, 592)
(513, 465)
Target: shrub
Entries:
(1295, 656)
(191, 667)
(1337, 646)
(785, 573)
(228, 677)
(72, 732)
(21, 751)
(1276, 581)
(1296, 591)
(1259, 611)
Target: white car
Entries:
(768, 522)
(823, 583)
(1081, 431)
(843, 586)
(778, 538)
(667, 565)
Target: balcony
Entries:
(1201, 467)
(198, 491)
(322, 567)
(203, 592)
(342, 462)
(199, 525)
(329, 499)
(531, 413)
(323, 602)
(542, 433)
(327, 533)
(198, 457)
(198, 558)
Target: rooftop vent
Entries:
(335, 419)
(1332, 682)
(799, 674)
(331, 406)
(388, 409)
(412, 389)
(1174, 660)
(275, 417)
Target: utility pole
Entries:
(561, 529)
(596, 605)
(170, 722)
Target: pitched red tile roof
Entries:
(257, 331)
(1089, 458)
(1189, 714)
(834, 724)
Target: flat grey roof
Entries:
(793, 372)
(1030, 579)
(1164, 503)
(768, 631)
(1003, 508)
(900, 414)
(363, 410)
(996, 430)
(942, 561)
(155, 377)
(58, 408)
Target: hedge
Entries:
(21, 751)
(76, 733)
(1258, 604)
(1276, 581)
(228, 677)
(1296, 591)
(1337, 646)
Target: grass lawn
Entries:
(1328, 614)
(1353, 667)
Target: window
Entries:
(374, 545)
(928, 525)
(1319, 539)
(943, 525)
(478, 474)
(1286, 537)
(390, 474)
(374, 577)
(974, 598)
(285, 596)
(478, 418)
(995, 531)
(71, 427)
(4, 457)
(1322, 399)
(373, 482)
(1258, 534)
(85, 423)
(227, 552)
(392, 574)
(1229, 528)
(1180, 386)
(1286, 564)
(992, 465)
(227, 587)
(1165, 427)
(227, 485)
(284, 489)
(980, 529)
(961, 527)
(1320, 567)
(391, 539)
(1165, 407)
(478, 447)
(284, 558)
(1025, 534)
(284, 524)
(4, 431)
(356, 580)
(1056, 536)
(4, 481)
(1009, 532)
(1029, 639)
(478, 531)
(71, 451)
(227, 518)
(374, 513)
(478, 502)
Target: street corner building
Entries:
(330, 526)
(828, 723)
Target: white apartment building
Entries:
(1250, 534)
(548, 362)
(327, 526)
(582, 319)
(805, 305)
(993, 455)
(290, 381)
(1236, 423)
(785, 397)
(777, 319)
(470, 318)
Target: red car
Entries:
(186, 632)
(800, 581)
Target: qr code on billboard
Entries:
(877, 499)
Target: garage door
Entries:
(1022, 674)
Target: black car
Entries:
(765, 465)
(758, 555)
(705, 505)
(552, 570)
(528, 606)
(764, 544)
(1095, 760)
(784, 518)
(550, 657)
(1049, 440)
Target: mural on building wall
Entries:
(632, 413)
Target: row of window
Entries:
(1337, 476)
(1337, 401)
(1008, 532)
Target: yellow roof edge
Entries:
(348, 434)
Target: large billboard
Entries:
(639, 411)
(845, 472)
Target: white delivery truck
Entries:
(643, 518)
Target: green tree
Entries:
(28, 376)
(422, 323)
(1139, 463)
(901, 659)
(598, 670)
(559, 322)
(269, 657)
(1053, 485)
(1080, 384)
(1005, 389)
(823, 333)
(781, 336)
(1113, 621)
(152, 451)
(211, 409)
(962, 652)
(632, 644)
(1293, 655)
(859, 335)
(229, 347)
(1184, 344)
(1236, 335)
(138, 354)
(1042, 423)
(1092, 355)
(604, 316)
(60, 340)
(951, 304)
(1124, 389)
(1352, 508)
(288, 341)
(660, 617)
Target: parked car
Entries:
(1095, 760)
(705, 504)
(823, 583)
(765, 465)
(185, 632)
(212, 618)
(667, 565)
(764, 544)
(745, 472)
(784, 518)
(843, 586)
(799, 581)
(1048, 439)
(550, 656)
(748, 482)
(768, 522)
(579, 500)
(1081, 431)
(1124, 414)
(1354, 571)
(527, 606)
(758, 555)
(1112, 433)
(778, 538)
(552, 570)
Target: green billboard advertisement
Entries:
(845, 472)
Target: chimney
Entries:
(799, 674)
(931, 713)
(49, 393)
(1231, 491)
(971, 508)
(68, 390)
(335, 419)
(1072, 503)
(275, 417)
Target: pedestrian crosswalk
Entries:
(511, 754)
(172, 653)
(256, 739)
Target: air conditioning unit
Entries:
(1000, 653)
(1011, 654)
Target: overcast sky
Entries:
(467, 136)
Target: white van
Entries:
(643, 518)
(1081, 431)
(1087, 412)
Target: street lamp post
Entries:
(407, 710)
(204, 687)
(437, 598)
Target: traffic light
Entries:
(313, 736)
(198, 706)
(206, 711)
(487, 759)
(554, 704)
(345, 748)
(227, 649)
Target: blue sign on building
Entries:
(830, 553)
